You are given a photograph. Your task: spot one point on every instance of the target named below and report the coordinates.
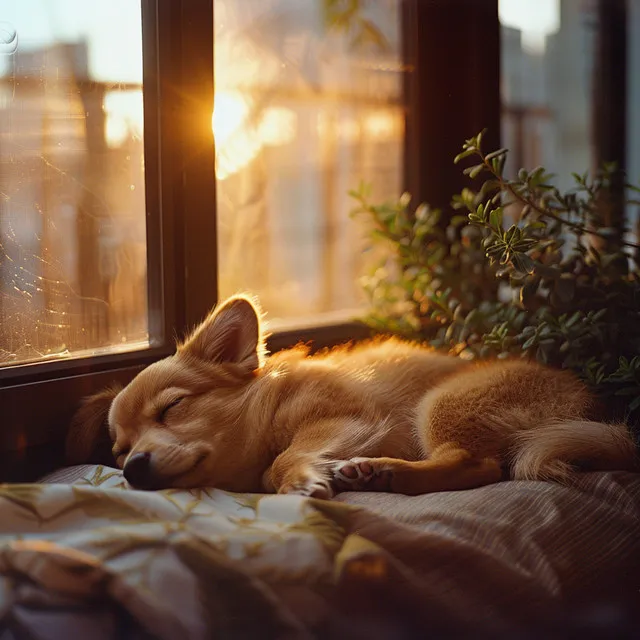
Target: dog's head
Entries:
(176, 423)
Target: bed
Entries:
(82, 556)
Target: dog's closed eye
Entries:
(120, 453)
(162, 414)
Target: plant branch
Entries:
(545, 213)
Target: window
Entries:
(309, 103)
(115, 233)
(571, 85)
(548, 54)
(73, 259)
(110, 191)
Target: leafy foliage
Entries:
(350, 17)
(520, 269)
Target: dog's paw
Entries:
(362, 474)
(310, 488)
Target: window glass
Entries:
(547, 53)
(551, 83)
(72, 203)
(308, 104)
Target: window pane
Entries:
(547, 53)
(308, 104)
(72, 205)
(562, 73)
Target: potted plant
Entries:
(519, 270)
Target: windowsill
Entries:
(116, 349)
(316, 321)
(320, 330)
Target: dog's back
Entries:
(388, 372)
(531, 420)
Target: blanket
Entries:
(82, 555)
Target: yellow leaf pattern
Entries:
(215, 544)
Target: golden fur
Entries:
(385, 415)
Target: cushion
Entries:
(81, 553)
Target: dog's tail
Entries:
(553, 451)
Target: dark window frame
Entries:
(38, 400)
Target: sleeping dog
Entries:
(385, 416)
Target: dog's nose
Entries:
(137, 470)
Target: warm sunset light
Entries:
(124, 116)
(240, 137)
(229, 114)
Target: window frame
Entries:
(448, 102)
(37, 401)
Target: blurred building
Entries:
(305, 111)
(71, 212)
(546, 96)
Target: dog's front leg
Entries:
(306, 466)
(299, 472)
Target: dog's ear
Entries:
(89, 426)
(231, 333)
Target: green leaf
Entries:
(497, 165)
(464, 154)
(572, 321)
(628, 391)
(474, 172)
(495, 219)
(404, 201)
(565, 288)
(523, 263)
(496, 154)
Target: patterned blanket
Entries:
(82, 556)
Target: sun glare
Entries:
(230, 110)
(124, 116)
(238, 140)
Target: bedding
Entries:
(82, 555)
